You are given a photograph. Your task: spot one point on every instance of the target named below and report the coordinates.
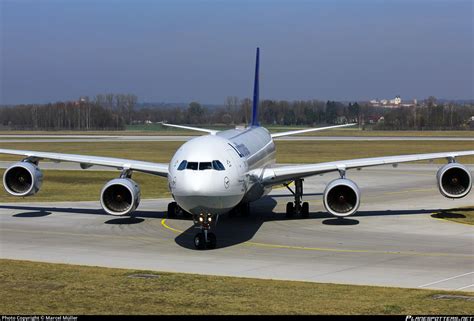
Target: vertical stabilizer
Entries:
(255, 93)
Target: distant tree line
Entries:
(425, 116)
(275, 112)
(442, 117)
(115, 111)
(104, 112)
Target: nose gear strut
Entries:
(205, 238)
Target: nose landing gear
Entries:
(204, 239)
(298, 207)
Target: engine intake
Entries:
(454, 180)
(120, 196)
(22, 179)
(341, 197)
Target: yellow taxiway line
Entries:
(320, 249)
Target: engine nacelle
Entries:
(341, 197)
(22, 179)
(120, 196)
(454, 180)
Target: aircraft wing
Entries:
(199, 129)
(307, 130)
(159, 169)
(282, 174)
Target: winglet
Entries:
(255, 92)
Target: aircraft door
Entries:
(234, 165)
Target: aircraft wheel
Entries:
(211, 241)
(187, 215)
(290, 209)
(245, 209)
(232, 212)
(199, 241)
(172, 207)
(305, 210)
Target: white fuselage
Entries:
(209, 174)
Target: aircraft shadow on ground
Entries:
(39, 211)
(230, 230)
(233, 230)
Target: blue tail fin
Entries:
(255, 93)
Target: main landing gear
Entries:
(204, 239)
(174, 210)
(298, 207)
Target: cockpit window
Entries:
(217, 165)
(192, 165)
(182, 165)
(205, 165)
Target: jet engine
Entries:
(341, 197)
(454, 180)
(120, 196)
(22, 179)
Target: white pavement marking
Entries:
(465, 287)
(443, 280)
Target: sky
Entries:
(184, 50)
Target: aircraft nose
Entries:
(195, 183)
(206, 192)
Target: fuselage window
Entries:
(182, 165)
(205, 165)
(192, 165)
(217, 165)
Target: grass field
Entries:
(45, 288)
(463, 215)
(76, 186)
(356, 132)
(287, 151)
(86, 185)
(163, 131)
(149, 151)
(171, 132)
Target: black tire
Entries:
(171, 210)
(187, 215)
(199, 241)
(211, 241)
(290, 209)
(245, 209)
(305, 210)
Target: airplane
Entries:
(225, 171)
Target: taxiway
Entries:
(392, 241)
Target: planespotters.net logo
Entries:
(439, 318)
